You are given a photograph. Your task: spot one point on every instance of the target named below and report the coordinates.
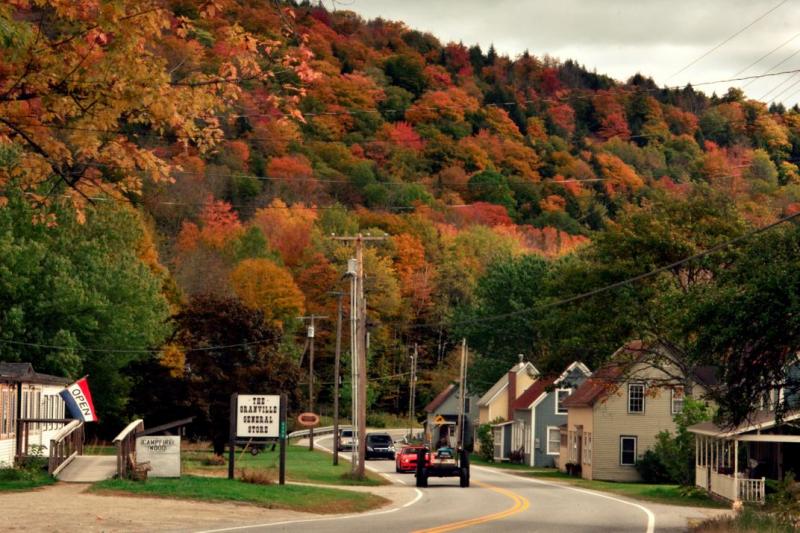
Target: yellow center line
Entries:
(520, 504)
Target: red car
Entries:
(406, 459)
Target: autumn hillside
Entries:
(214, 147)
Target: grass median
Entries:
(292, 497)
(302, 466)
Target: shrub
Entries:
(257, 477)
(213, 460)
(651, 468)
(486, 441)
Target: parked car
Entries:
(406, 459)
(379, 445)
(346, 440)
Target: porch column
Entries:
(696, 450)
(736, 470)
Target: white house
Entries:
(25, 393)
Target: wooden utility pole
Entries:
(462, 380)
(336, 362)
(358, 322)
(412, 389)
(311, 333)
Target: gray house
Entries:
(538, 413)
(445, 407)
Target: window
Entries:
(553, 440)
(677, 400)
(636, 398)
(561, 395)
(587, 448)
(627, 450)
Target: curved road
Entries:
(496, 501)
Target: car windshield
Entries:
(380, 439)
(347, 433)
(410, 451)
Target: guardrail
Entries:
(317, 431)
(126, 447)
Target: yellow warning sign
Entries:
(439, 420)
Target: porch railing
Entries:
(29, 434)
(752, 490)
(65, 445)
(126, 448)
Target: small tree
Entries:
(672, 458)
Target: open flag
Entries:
(79, 401)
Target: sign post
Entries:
(258, 416)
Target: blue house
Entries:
(539, 413)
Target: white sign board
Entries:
(258, 415)
(162, 452)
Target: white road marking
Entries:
(306, 520)
(651, 519)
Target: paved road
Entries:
(496, 501)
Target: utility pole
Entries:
(311, 333)
(336, 361)
(412, 389)
(358, 325)
(462, 379)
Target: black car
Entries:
(380, 445)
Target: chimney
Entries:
(512, 392)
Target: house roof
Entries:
(576, 364)
(502, 383)
(533, 392)
(440, 398)
(24, 373)
(758, 421)
(607, 377)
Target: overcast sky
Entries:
(622, 37)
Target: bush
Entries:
(652, 469)
(213, 460)
(487, 442)
(257, 477)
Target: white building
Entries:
(25, 394)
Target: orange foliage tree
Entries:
(262, 284)
(288, 229)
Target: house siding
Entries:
(579, 419)
(41, 434)
(450, 407)
(546, 417)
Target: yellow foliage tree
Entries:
(262, 284)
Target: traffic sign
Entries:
(439, 420)
(308, 419)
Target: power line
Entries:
(628, 281)
(128, 350)
(727, 40)
(776, 65)
(760, 59)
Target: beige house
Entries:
(498, 400)
(614, 417)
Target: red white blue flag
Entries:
(79, 401)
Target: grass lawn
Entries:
(12, 479)
(302, 465)
(666, 494)
(293, 497)
(476, 460)
(748, 521)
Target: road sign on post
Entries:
(258, 416)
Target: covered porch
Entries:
(734, 462)
(511, 441)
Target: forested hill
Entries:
(245, 132)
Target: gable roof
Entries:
(24, 373)
(533, 392)
(575, 365)
(440, 398)
(608, 377)
(502, 383)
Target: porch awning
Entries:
(761, 420)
